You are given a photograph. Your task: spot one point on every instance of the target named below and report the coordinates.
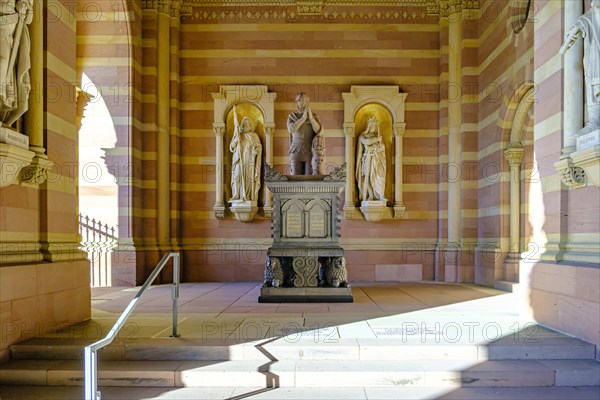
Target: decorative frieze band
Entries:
(300, 189)
(446, 8)
(224, 10)
(174, 8)
(281, 3)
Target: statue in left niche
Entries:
(15, 61)
(246, 160)
(587, 27)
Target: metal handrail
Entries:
(90, 352)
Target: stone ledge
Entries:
(589, 160)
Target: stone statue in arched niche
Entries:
(588, 28)
(246, 162)
(371, 163)
(15, 61)
(386, 103)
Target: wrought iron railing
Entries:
(98, 240)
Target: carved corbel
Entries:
(36, 173)
(573, 177)
(570, 175)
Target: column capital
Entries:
(514, 154)
(349, 128)
(219, 128)
(399, 128)
(269, 128)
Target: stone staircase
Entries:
(414, 365)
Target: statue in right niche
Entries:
(588, 28)
(371, 163)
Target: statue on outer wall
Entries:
(588, 27)
(14, 59)
(246, 160)
(371, 163)
(307, 145)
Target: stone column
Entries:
(349, 207)
(399, 208)
(174, 123)
(453, 273)
(573, 81)
(268, 205)
(37, 172)
(163, 122)
(514, 155)
(34, 120)
(219, 207)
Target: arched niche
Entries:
(357, 103)
(259, 103)
(518, 122)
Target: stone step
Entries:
(311, 348)
(323, 373)
(262, 393)
(507, 286)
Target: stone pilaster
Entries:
(219, 207)
(399, 207)
(514, 156)
(268, 204)
(454, 13)
(349, 134)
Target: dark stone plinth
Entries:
(305, 295)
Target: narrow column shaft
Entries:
(163, 142)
